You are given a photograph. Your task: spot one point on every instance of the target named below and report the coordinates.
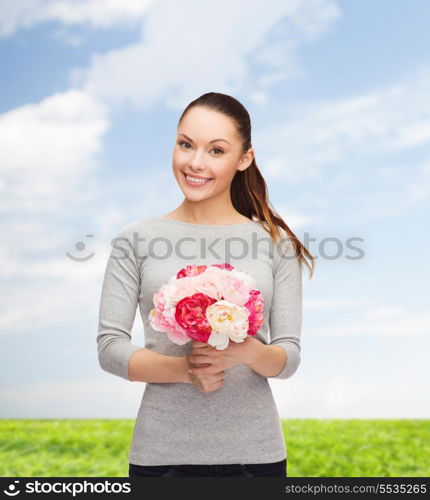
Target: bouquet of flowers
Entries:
(213, 304)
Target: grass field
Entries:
(329, 448)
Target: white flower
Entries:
(218, 340)
(229, 319)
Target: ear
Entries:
(246, 160)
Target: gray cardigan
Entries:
(177, 424)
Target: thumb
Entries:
(197, 343)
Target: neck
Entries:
(209, 212)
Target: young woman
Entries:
(220, 419)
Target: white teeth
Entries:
(195, 179)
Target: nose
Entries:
(196, 171)
(196, 163)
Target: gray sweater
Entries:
(176, 423)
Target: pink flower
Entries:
(210, 282)
(229, 267)
(255, 306)
(162, 318)
(191, 316)
(190, 270)
(181, 288)
(236, 287)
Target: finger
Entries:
(198, 344)
(189, 358)
(198, 359)
(218, 379)
(206, 370)
(204, 351)
(217, 385)
(194, 370)
(198, 365)
(214, 378)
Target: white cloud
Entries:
(324, 135)
(326, 303)
(48, 162)
(98, 13)
(64, 36)
(212, 49)
(405, 195)
(418, 189)
(49, 292)
(48, 148)
(385, 322)
(347, 152)
(383, 313)
(296, 219)
(259, 97)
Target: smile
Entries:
(196, 181)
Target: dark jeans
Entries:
(273, 469)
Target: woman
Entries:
(220, 419)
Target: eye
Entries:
(185, 143)
(181, 143)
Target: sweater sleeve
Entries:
(119, 299)
(285, 321)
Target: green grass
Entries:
(335, 448)
(358, 448)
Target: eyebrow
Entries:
(210, 142)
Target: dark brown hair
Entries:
(249, 193)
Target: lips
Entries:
(197, 176)
(207, 180)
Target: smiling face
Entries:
(208, 148)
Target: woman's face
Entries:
(208, 148)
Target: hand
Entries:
(207, 382)
(208, 360)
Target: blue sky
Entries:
(90, 95)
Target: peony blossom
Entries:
(211, 282)
(228, 318)
(236, 287)
(218, 340)
(191, 315)
(190, 271)
(255, 306)
(229, 267)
